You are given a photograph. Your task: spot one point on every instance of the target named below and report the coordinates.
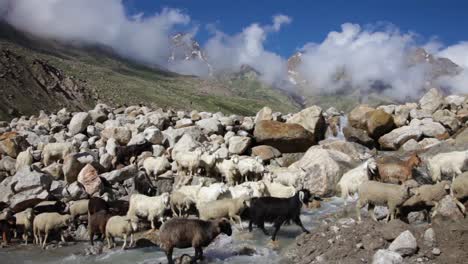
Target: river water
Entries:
(223, 250)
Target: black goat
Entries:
(278, 211)
(6, 227)
(124, 153)
(50, 207)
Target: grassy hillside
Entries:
(117, 81)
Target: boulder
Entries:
(55, 170)
(38, 192)
(90, 180)
(26, 179)
(462, 115)
(383, 256)
(97, 116)
(432, 100)
(153, 135)
(186, 143)
(356, 151)
(405, 244)
(462, 138)
(75, 191)
(323, 169)
(429, 237)
(79, 123)
(396, 138)
(312, 120)
(238, 145)
(455, 101)
(173, 135)
(393, 229)
(429, 128)
(359, 136)
(265, 152)
(74, 162)
(12, 143)
(264, 114)
(447, 118)
(185, 122)
(121, 134)
(286, 137)
(121, 175)
(358, 116)
(379, 123)
(247, 124)
(447, 209)
(210, 126)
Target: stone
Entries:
(121, 134)
(210, 126)
(402, 113)
(381, 212)
(312, 120)
(120, 175)
(416, 218)
(238, 145)
(286, 137)
(356, 151)
(359, 136)
(89, 178)
(323, 169)
(57, 187)
(186, 143)
(383, 256)
(75, 192)
(462, 115)
(379, 123)
(405, 244)
(455, 101)
(396, 138)
(194, 115)
(264, 114)
(410, 145)
(265, 152)
(461, 140)
(436, 251)
(432, 100)
(172, 136)
(79, 123)
(185, 122)
(26, 179)
(447, 209)
(429, 128)
(389, 109)
(73, 163)
(153, 135)
(12, 143)
(247, 124)
(358, 116)
(447, 118)
(372, 242)
(420, 114)
(97, 116)
(391, 230)
(429, 237)
(55, 170)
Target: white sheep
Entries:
(188, 161)
(156, 166)
(24, 158)
(230, 208)
(286, 176)
(120, 226)
(211, 193)
(378, 193)
(460, 187)
(352, 179)
(56, 151)
(148, 207)
(249, 189)
(279, 190)
(25, 219)
(428, 194)
(78, 208)
(191, 191)
(250, 167)
(228, 170)
(46, 222)
(181, 202)
(450, 163)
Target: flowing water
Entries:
(342, 124)
(223, 250)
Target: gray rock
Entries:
(428, 127)
(238, 145)
(381, 212)
(429, 237)
(186, 122)
(75, 192)
(26, 179)
(447, 118)
(393, 229)
(79, 123)
(447, 209)
(383, 256)
(120, 175)
(264, 114)
(210, 126)
(405, 244)
(415, 218)
(186, 143)
(436, 251)
(173, 135)
(432, 100)
(396, 138)
(247, 124)
(312, 120)
(359, 136)
(153, 135)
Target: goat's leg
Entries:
(250, 225)
(108, 241)
(125, 241)
(298, 222)
(240, 221)
(359, 206)
(370, 210)
(261, 225)
(91, 238)
(131, 240)
(277, 224)
(169, 255)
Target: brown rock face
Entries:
(287, 138)
(358, 116)
(379, 123)
(266, 152)
(89, 178)
(359, 136)
(11, 144)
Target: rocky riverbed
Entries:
(113, 153)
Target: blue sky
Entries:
(313, 20)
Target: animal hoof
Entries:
(273, 244)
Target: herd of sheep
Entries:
(112, 162)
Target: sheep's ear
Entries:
(301, 196)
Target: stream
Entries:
(224, 249)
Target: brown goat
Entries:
(392, 170)
(97, 224)
(185, 233)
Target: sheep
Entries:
(450, 163)
(148, 207)
(460, 187)
(156, 166)
(425, 196)
(229, 208)
(286, 176)
(185, 233)
(278, 210)
(120, 226)
(25, 220)
(123, 154)
(279, 190)
(181, 202)
(352, 179)
(78, 208)
(46, 222)
(250, 168)
(228, 170)
(6, 226)
(55, 152)
(188, 161)
(249, 189)
(97, 224)
(378, 193)
(191, 191)
(211, 193)
(396, 171)
(24, 159)
(207, 162)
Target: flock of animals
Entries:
(194, 215)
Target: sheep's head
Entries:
(235, 159)
(304, 196)
(165, 199)
(224, 226)
(414, 160)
